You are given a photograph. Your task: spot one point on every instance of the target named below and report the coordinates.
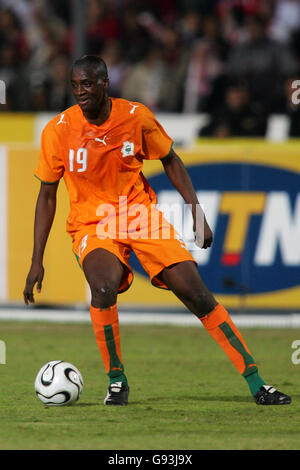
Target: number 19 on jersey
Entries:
(80, 161)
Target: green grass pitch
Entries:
(185, 393)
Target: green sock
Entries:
(119, 378)
(254, 382)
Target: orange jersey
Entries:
(101, 163)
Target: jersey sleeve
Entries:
(156, 143)
(50, 166)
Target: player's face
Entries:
(89, 90)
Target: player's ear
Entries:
(106, 82)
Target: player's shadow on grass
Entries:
(232, 398)
(198, 399)
(83, 404)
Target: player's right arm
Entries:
(49, 171)
(44, 215)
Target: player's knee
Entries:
(203, 303)
(104, 293)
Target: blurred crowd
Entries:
(235, 60)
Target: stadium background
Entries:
(218, 75)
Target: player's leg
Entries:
(104, 272)
(185, 281)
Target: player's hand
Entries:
(203, 234)
(35, 276)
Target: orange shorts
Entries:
(156, 248)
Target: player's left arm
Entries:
(179, 177)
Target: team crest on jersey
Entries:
(127, 149)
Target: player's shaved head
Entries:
(92, 63)
(89, 82)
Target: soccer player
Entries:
(98, 147)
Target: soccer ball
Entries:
(58, 383)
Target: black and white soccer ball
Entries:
(58, 383)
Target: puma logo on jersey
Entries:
(127, 149)
(134, 106)
(97, 139)
(61, 121)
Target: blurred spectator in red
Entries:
(238, 116)
(102, 24)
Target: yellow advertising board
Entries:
(63, 281)
(252, 193)
(251, 190)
